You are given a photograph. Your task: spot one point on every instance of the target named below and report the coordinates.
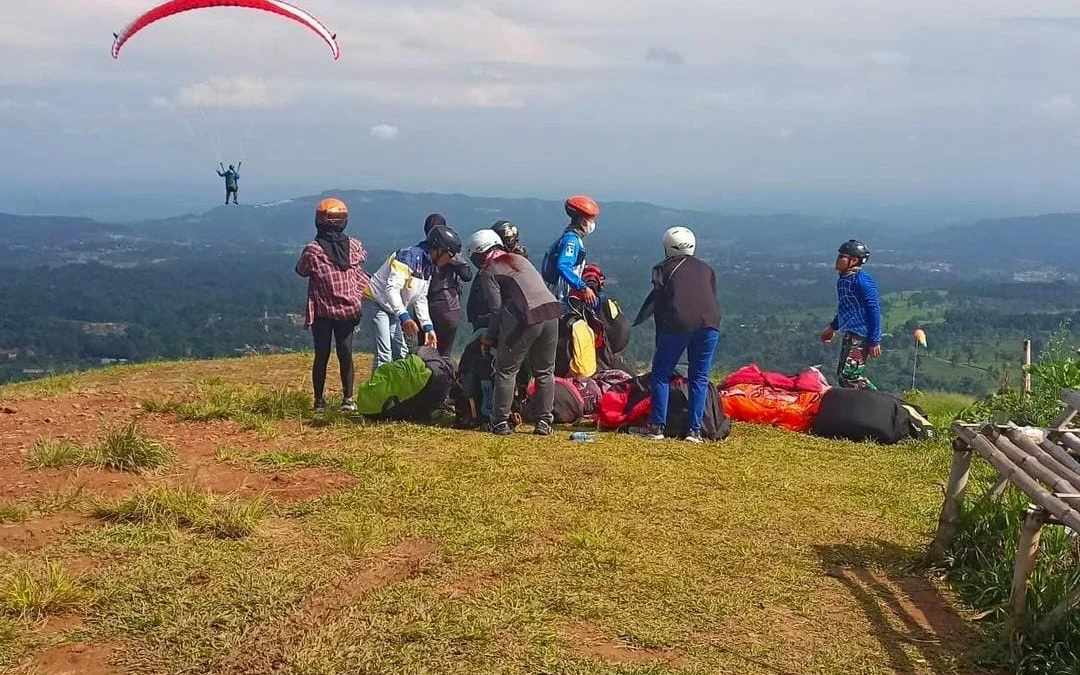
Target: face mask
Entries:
(589, 226)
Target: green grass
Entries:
(254, 408)
(455, 552)
(46, 387)
(125, 449)
(227, 517)
(34, 592)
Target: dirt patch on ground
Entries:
(267, 650)
(406, 560)
(76, 659)
(587, 639)
(80, 418)
(57, 625)
(283, 486)
(34, 534)
(912, 602)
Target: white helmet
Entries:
(483, 241)
(679, 240)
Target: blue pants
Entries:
(390, 342)
(699, 347)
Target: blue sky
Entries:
(827, 105)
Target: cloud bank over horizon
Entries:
(706, 101)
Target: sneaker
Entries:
(694, 437)
(655, 432)
(501, 429)
(348, 405)
(543, 428)
(320, 406)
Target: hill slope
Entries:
(271, 542)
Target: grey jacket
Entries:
(511, 283)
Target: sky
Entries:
(841, 106)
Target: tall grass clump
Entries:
(186, 508)
(40, 591)
(125, 449)
(252, 407)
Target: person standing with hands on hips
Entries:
(400, 289)
(858, 316)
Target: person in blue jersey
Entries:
(400, 290)
(232, 180)
(858, 316)
(564, 260)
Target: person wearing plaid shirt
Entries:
(333, 266)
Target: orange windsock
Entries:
(920, 337)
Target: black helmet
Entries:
(508, 232)
(433, 221)
(855, 249)
(445, 238)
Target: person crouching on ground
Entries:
(858, 316)
(333, 266)
(687, 315)
(444, 293)
(400, 286)
(527, 325)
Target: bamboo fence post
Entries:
(1072, 442)
(1027, 367)
(954, 499)
(1027, 553)
(1031, 465)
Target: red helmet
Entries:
(592, 276)
(582, 206)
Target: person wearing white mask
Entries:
(565, 258)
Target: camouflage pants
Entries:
(851, 371)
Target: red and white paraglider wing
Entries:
(278, 7)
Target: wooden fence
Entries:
(1047, 471)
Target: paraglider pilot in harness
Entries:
(232, 179)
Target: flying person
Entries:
(858, 316)
(232, 180)
(564, 260)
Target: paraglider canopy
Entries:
(278, 7)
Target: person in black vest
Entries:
(687, 314)
(444, 293)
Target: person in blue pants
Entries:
(687, 314)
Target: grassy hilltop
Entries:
(193, 518)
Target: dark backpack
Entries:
(616, 325)
(868, 415)
(715, 425)
(549, 268)
(568, 406)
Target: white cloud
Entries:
(495, 96)
(385, 132)
(889, 59)
(221, 92)
(1057, 107)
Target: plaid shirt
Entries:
(333, 293)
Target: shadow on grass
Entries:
(915, 624)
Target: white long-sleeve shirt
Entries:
(400, 286)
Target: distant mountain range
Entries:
(386, 220)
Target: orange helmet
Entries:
(580, 206)
(331, 212)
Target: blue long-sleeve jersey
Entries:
(563, 264)
(859, 308)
